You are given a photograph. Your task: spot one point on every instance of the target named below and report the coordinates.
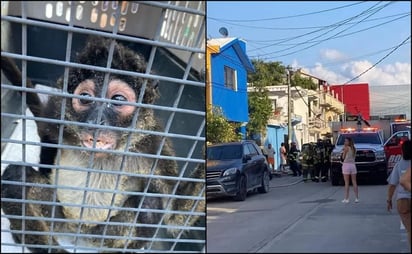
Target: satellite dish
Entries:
(223, 31)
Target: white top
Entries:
(270, 152)
(350, 156)
(393, 179)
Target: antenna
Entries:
(223, 31)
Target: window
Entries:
(230, 78)
(246, 150)
(252, 149)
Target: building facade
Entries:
(229, 66)
(356, 99)
(313, 112)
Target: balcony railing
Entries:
(330, 102)
(315, 122)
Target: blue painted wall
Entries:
(233, 103)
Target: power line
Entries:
(331, 37)
(339, 24)
(300, 28)
(380, 60)
(286, 17)
(343, 35)
(353, 58)
(340, 36)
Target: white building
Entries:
(312, 112)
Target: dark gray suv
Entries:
(235, 168)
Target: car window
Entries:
(246, 150)
(229, 152)
(252, 149)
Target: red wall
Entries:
(355, 97)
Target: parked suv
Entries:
(235, 168)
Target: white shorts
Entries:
(348, 168)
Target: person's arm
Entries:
(345, 151)
(391, 191)
(405, 180)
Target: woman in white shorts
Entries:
(349, 169)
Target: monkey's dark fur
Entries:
(96, 53)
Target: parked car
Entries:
(235, 168)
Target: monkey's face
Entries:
(102, 113)
(89, 84)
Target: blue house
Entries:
(229, 66)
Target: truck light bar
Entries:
(350, 129)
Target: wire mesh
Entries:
(136, 182)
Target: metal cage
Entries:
(44, 38)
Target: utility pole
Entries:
(288, 74)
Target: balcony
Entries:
(337, 106)
(325, 101)
(331, 103)
(316, 123)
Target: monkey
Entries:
(45, 185)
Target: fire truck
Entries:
(400, 131)
(370, 156)
(400, 125)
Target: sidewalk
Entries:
(282, 179)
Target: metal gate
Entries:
(154, 201)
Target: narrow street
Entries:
(305, 217)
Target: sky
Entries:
(334, 40)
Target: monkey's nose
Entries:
(102, 141)
(95, 119)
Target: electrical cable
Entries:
(379, 61)
(286, 17)
(342, 35)
(333, 26)
(300, 28)
(329, 38)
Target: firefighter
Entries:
(319, 161)
(307, 161)
(293, 159)
(328, 151)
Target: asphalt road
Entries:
(305, 217)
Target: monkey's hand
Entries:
(187, 188)
(32, 214)
(14, 75)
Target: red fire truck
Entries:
(400, 131)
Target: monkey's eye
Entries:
(118, 97)
(85, 102)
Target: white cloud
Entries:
(388, 83)
(389, 74)
(332, 54)
(323, 73)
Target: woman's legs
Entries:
(404, 210)
(355, 185)
(346, 178)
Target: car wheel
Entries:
(265, 183)
(241, 194)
